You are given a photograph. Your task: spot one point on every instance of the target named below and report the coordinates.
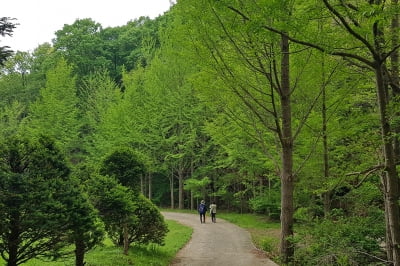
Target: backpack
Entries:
(201, 208)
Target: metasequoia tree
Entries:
(179, 113)
(55, 112)
(374, 54)
(253, 67)
(362, 41)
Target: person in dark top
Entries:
(202, 211)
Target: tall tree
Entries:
(362, 41)
(10, 119)
(55, 113)
(80, 44)
(373, 52)
(181, 115)
(254, 68)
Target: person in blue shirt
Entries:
(202, 211)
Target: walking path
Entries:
(221, 243)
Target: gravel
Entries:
(221, 243)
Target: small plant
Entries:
(269, 245)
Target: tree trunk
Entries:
(394, 71)
(126, 239)
(180, 180)
(287, 179)
(141, 184)
(395, 79)
(171, 183)
(191, 200)
(327, 194)
(13, 240)
(390, 173)
(191, 191)
(388, 238)
(150, 185)
(79, 251)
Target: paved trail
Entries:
(221, 243)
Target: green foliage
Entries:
(341, 241)
(150, 226)
(268, 203)
(195, 94)
(6, 28)
(114, 202)
(82, 37)
(35, 214)
(249, 221)
(107, 48)
(55, 113)
(10, 119)
(85, 224)
(119, 206)
(196, 186)
(109, 255)
(125, 166)
(269, 244)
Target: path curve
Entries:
(221, 243)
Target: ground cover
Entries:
(150, 255)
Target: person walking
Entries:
(213, 212)
(202, 211)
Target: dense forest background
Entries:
(283, 108)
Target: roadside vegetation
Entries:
(141, 255)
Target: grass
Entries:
(264, 233)
(151, 255)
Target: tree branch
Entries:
(366, 173)
(312, 45)
(348, 28)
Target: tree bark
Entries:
(141, 184)
(390, 173)
(180, 185)
(13, 240)
(287, 179)
(150, 185)
(126, 238)
(395, 84)
(389, 242)
(327, 194)
(79, 252)
(191, 191)
(394, 71)
(171, 183)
